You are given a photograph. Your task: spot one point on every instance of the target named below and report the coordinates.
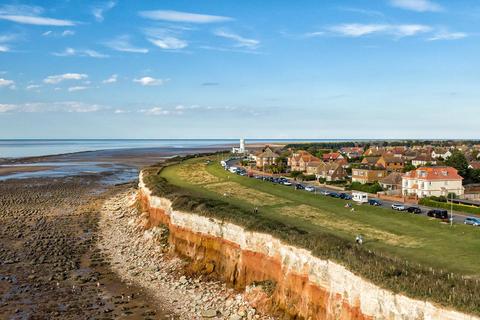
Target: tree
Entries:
(459, 162)
(408, 167)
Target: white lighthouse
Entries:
(241, 149)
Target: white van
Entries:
(233, 169)
(360, 197)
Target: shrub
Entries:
(446, 205)
(368, 187)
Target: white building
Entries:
(241, 149)
(441, 153)
(432, 181)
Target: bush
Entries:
(397, 275)
(309, 177)
(368, 187)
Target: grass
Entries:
(402, 252)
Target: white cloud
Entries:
(30, 15)
(4, 39)
(178, 16)
(417, 5)
(67, 33)
(61, 77)
(77, 88)
(156, 111)
(64, 33)
(99, 11)
(359, 30)
(122, 43)
(149, 81)
(169, 43)
(62, 106)
(445, 35)
(7, 107)
(68, 52)
(4, 48)
(7, 83)
(113, 78)
(240, 41)
(120, 111)
(33, 87)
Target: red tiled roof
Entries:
(434, 173)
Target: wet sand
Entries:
(4, 171)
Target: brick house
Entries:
(367, 175)
(300, 160)
(330, 171)
(265, 157)
(390, 163)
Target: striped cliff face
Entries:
(305, 286)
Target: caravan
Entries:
(360, 197)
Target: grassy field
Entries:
(416, 239)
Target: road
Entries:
(457, 216)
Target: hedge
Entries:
(446, 205)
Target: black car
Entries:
(415, 210)
(345, 196)
(438, 214)
(374, 202)
(334, 195)
(299, 187)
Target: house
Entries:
(374, 151)
(475, 165)
(330, 171)
(300, 160)
(390, 163)
(432, 181)
(370, 160)
(423, 159)
(352, 152)
(398, 151)
(410, 155)
(332, 156)
(392, 182)
(368, 175)
(265, 157)
(442, 153)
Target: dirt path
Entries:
(50, 266)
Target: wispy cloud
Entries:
(367, 12)
(360, 30)
(99, 11)
(417, 5)
(5, 83)
(31, 87)
(157, 111)
(69, 52)
(112, 79)
(122, 43)
(149, 81)
(446, 35)
(240, 41)
(179, 16)
(77, 88)
(5, 40)
(54, 79)
(61, 106)
(30, 15)
(196, 109)
(166, 39)
(65, 33)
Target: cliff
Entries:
(305, 286)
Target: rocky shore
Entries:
(50, 266)
(143, 257)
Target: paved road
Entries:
(457, 216)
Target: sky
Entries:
(348, 69)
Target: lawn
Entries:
(416, 239)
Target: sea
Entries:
(22, 148)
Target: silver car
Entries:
(472, 221)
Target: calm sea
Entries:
(31, 148)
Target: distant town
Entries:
(405, 172)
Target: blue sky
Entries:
(227, 69)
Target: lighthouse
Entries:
(241, 149)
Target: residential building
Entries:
(374, 151)
(423, 159)
(370, 160)
(332, 156)
(352, 152)
(299, 160)
(432, 181)
(367, 175)
(392, 182)
(390, 163)
(475, 165)
(442, 153)
(330, 171)
(265, 157)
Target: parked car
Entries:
(334, 195)
(415, 210)
(472, 221)
(287, 183)
(325, 193)
(345, 196)
(310, 188)
(398, 207)
(299, 186)
(438, 214)
(374, 202)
